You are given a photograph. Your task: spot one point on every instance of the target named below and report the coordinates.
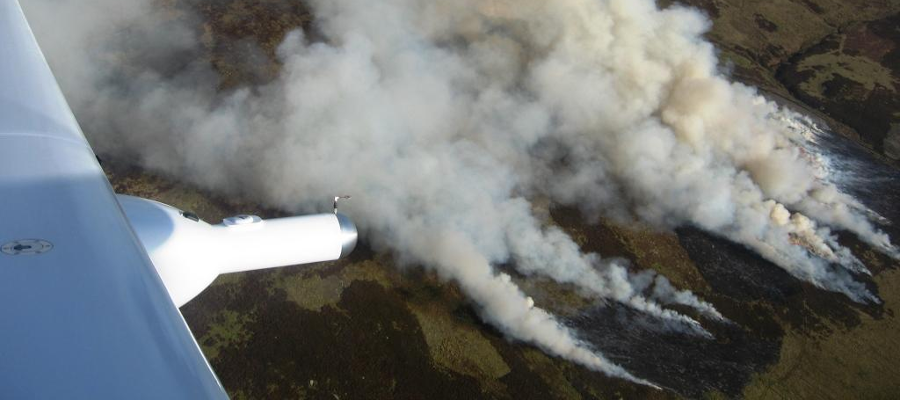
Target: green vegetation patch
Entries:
(660, 251)
(460, 347)
(311, 291)
(556, 379)
(861, 70)
(227, 329)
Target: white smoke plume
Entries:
(444, 117)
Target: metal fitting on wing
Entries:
(348, 234)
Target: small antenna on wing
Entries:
(339, 198)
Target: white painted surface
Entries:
(190, 254)
(90, 317)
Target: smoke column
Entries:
(444, 118)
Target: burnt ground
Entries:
(683, 363)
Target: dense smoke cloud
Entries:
(446, 118)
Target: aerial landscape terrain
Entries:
(374, 327)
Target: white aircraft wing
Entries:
(83, 312)
(88, 299)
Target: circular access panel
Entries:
(26, 247)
